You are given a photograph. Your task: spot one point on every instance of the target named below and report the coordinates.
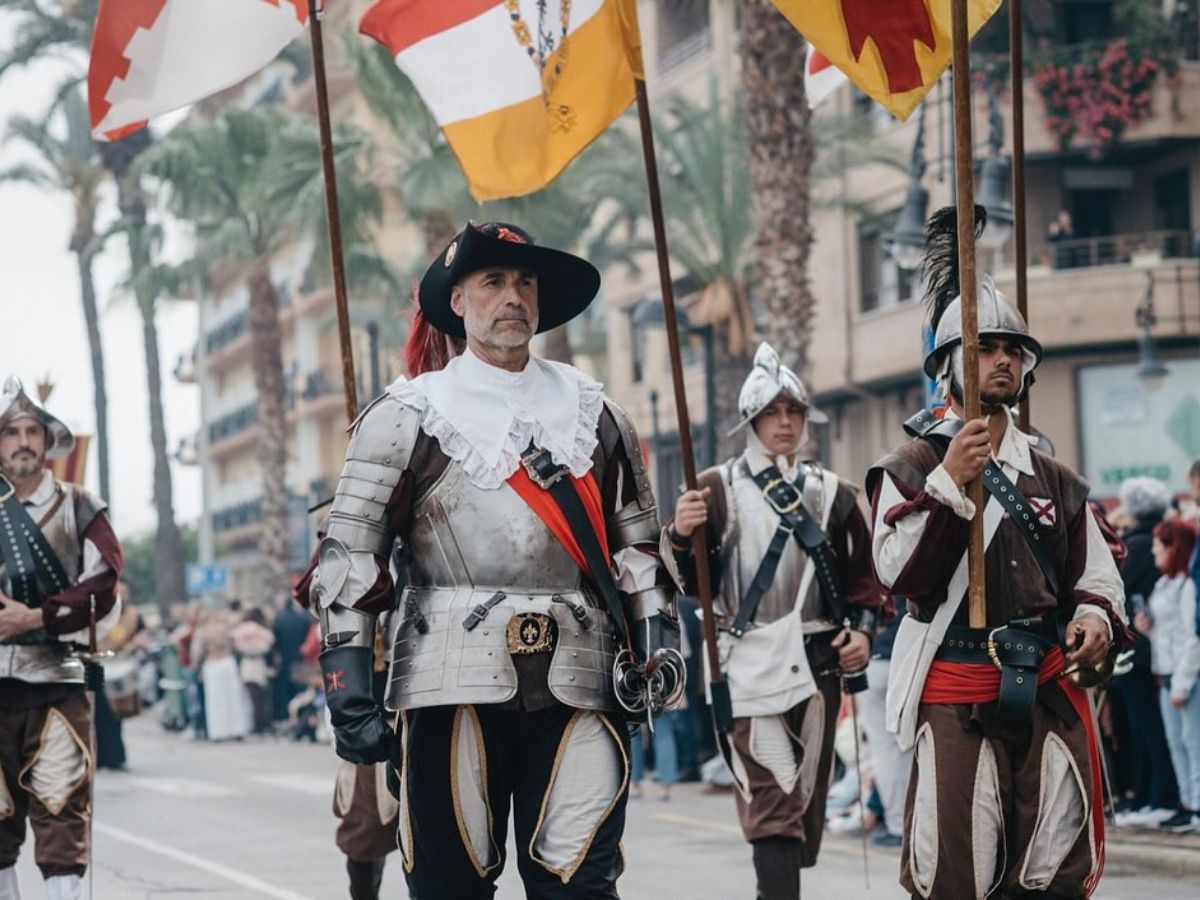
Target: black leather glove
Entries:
(361, 733)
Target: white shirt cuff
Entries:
(941, 487)
(1084, 609)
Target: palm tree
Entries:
(781, 158)
(119, 158)
(249, 182)
(69, 165)
(46, 28)
(703, 152)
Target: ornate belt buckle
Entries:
(530, 459)
(787, 507)
(529, 633)
(992, 652)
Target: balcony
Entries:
(236, 516)
(1087, 302)
(232, 424)
(220, 337)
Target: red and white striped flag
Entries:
(519, 87)
(152, 56)
(821, 77)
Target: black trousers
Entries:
(564, 773)
(1151, 776)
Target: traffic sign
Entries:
(202, 579)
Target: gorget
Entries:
(484, 417)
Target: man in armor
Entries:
(535, 611)
(1005, 794)
(59, 567)
(796, 601)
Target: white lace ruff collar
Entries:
(484, 417)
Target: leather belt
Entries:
(1016, 649)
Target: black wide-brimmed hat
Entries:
(566, 283)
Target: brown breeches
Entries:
(787, 760)
(47, 771)
(996, 811)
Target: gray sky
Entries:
(44, 331)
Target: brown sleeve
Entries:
(77, 599)
(851, 540)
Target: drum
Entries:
(121, 686)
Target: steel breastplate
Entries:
(466, 546)
(464, 536)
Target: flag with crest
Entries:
(893, 50)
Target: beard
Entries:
(994, 401)
(22, 464)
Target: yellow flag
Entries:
(893, 50)
(519, 89)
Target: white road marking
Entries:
(241, 879)
(187, 788)
(305, 784)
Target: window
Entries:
(1087, 20)
(883, 283)
(683, 31)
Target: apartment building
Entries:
(1117, 297)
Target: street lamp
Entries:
(907, 242)
(1151, 370)
(650, 314)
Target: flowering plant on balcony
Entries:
(1099, 95)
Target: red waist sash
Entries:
(957, 683)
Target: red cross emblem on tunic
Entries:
(334, 681)
(1043, 507)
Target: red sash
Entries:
(547, 510)
(954, 683)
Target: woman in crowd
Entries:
(226, 704)
(1175, 659)
(252, 642)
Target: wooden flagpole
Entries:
(718, 688)
(968, 286)
(1016, 50)
(349, 384)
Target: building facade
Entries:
(1134, 206)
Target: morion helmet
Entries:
(997, 316)
(16, 404)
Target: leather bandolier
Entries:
(51, 561)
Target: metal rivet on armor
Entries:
(495, 677)
(576, 633)
(1012, 563)
(489, 653)
(1020, 680)
(795, 668)
(1007, 645)
(1020, 647)
(571, 678)
(574, 656)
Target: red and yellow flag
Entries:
(519, 88)
(72, 466)
(894, 50)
